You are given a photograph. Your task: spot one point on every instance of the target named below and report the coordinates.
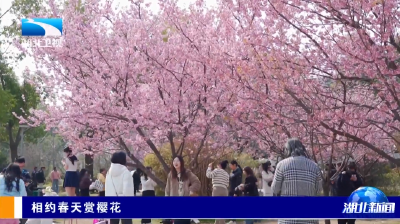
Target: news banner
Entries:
(364, 203)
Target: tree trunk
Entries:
(326, 190)
(89, 164)
(13, 143)
(199, 171)
(140, 165)
(14, 152)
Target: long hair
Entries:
(234, 162)
(265, 166)
(174, 173)
(144, 174)
(71, 158)
(248, 171)
(294, 147)
(12, 174)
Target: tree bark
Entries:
(140, 165)
(13, 143)
(89, 164)
(326, 190)
(152, 146)
(14, 152)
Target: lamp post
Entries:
(23, 127)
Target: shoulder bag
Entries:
(115, 189)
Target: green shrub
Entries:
(3, 160)
(389, 183)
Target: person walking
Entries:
(136, 180)
(220, 182)
(267, 176)
(148, 186)
(12, 185)
(102, 178)
(40, 178)
(181, 182)
(249, 188)
(71, 180)
(119, 181)
(55, 178)
(84, 183)
(235, 179)
(296, 175)
(347, 182)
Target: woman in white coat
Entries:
(267, 177)
(119, 181)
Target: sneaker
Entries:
(231, 222)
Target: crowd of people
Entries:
(296, 175)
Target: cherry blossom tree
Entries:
(243, 74)
(322, 69)
(133, 80)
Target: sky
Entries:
(29, 63)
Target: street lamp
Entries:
(23, 127)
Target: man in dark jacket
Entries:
(235, 179)
(347, 182)
(136, 181)
(34, 172)
(40, 177)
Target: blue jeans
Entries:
(54, 186)
(249, 221)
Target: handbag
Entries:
(98, 185)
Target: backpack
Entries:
(98, 185)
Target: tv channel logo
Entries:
(368, 200)
(46, 27)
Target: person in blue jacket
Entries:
(11, 183)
